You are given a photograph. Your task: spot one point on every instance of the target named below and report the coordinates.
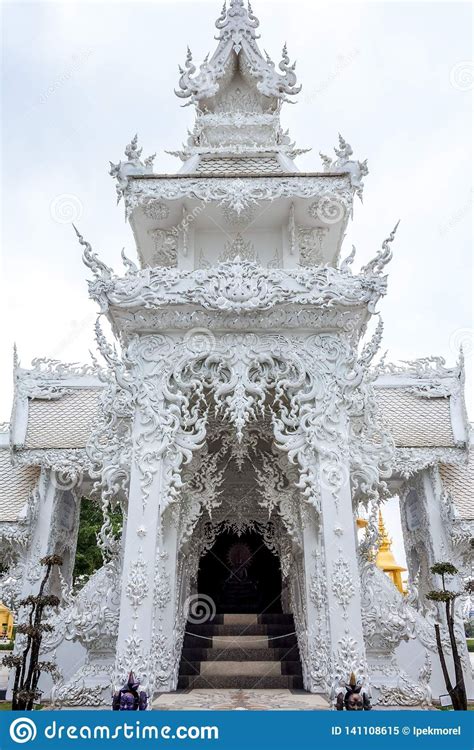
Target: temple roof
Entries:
(238, 94)
(237, 54)
(413, 421)
(56, 406)
(459, 482)
(62, 423)
(16, 484)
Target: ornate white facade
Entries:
(239, 394)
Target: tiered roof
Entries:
(238, 94)
(56, 405)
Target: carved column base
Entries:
(316, 665)
(391, 685)
(91, 686)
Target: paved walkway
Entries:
(240, 700)
(3, 679)
(253, 700)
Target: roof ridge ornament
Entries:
(344, 163)
(433, 367)
(371, 347)
(235, 22)
(236, 26)
(100, 269)
(384, 256)
(134, 165)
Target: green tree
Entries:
(457, 691)
(26, 663)
(88, 553)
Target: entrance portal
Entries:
(241, 575)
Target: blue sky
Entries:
(80, 78)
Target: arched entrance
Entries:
(241, 575)
(246, 639)
(239, 563)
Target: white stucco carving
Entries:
(238, 395)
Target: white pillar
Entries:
(146, 639)
(41, 541)
(165, 659)
(316, 661)
(335, 638)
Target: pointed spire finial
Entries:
(385, 542)
(384, 256)
(347, 262)
(236, 27)
(92, 260)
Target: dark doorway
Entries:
(241, 575)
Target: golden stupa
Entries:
(385, 559)
(6, 622)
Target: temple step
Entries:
(264, 629)
(245, 641)
(221, 668)
(238, 618)
(243, 651)
(240, 682)
(241, 654)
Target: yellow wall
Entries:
(6, 622)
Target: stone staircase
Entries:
(241, 651)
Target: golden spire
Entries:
(385, 559)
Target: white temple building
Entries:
(239, 423)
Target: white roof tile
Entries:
(16, 484)
(459, 482)
(62, 423)
(416, 421)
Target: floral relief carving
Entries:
(166, 246)
(343, 585)
(162, 591)
(137, 585)
(239, 194)
(347, 658)
(310, 242)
